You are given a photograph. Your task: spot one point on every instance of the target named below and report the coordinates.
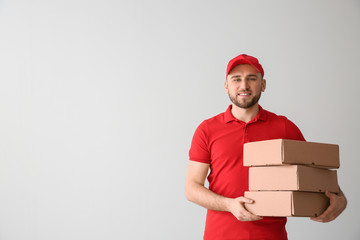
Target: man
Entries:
(218, 145)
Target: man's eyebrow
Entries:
(235, 76)
(250, 75)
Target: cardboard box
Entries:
(281, 151)
(293, 178)
(287, 203)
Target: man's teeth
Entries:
(244, 94)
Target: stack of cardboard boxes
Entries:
(289, 178)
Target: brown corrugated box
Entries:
(281, 151)
(287, 203)
(293, 178)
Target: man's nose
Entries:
(244, 84)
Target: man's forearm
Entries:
(196, 192)
(206, 198)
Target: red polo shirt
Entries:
(219, 142)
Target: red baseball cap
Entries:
(244, 59)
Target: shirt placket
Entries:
(246, 133)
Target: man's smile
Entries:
(244, 94)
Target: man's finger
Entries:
(251, 217)
(246, 200)
(326, 216)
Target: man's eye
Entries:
(252, 79)
(237, 80)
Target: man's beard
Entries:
(253, 101)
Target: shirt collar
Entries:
(228, 117)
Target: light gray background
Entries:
(99, 101)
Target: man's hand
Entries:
(236, 207)
(337, 205)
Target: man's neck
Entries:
(245, 114)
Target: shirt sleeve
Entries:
(292, 131)
(199, 150)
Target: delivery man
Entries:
(217, 145)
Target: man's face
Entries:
(244, 86)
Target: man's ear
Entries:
(226, 87)
(263, 87)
